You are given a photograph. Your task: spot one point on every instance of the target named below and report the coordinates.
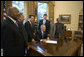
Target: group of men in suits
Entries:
(15, 36)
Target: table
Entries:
(63, 47)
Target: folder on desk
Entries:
(52, 41)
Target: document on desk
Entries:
(51, 41)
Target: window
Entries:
(19, 5)
(42, 9)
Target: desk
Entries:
(62, 48)
(68, 33)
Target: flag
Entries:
(4, 11)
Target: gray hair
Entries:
(42, 26)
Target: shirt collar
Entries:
(44, 20)
(29, 21)
(12, 19)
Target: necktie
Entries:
(43, 35)
(44, 22)
(16, 24)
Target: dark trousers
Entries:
(58, 35)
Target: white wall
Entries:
(69, 7)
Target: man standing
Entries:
(21, 18)
(51, 27)
(11, 36)
(30, 28)
(20, 22)
(46, 23)
(59, 27)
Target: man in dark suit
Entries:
(30, 28)
(20, 22)
(11, 35)
(59, 27)
(46, 23)
(42, 34)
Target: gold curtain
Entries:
(51, 8)
(1, 11)
(8, 4)
(30, 7)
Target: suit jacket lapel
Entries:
(30, 24)
(46, 22)
(42, 21)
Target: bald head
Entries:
(13, 12)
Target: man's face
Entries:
(51, 20)
(21, 18)
(45, 17)
(32, 18)
(13, 12)
(43, 28)
(58, 20)
(16, 14)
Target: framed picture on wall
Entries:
(66, 19)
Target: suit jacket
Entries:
(24, 32)
(52, 32)
(47, 24)
(30, 31)
(39, 35)
(58, 31)
(12, 38)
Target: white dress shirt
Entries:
(44, 21)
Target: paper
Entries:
(51, 41)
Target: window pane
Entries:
(19, 5)
(42, 9)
